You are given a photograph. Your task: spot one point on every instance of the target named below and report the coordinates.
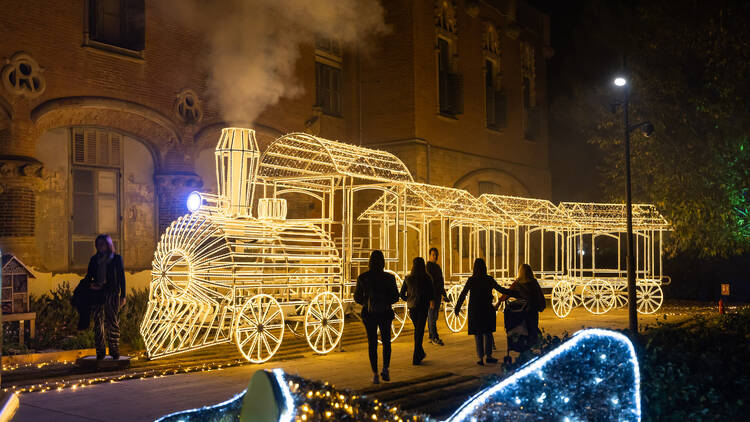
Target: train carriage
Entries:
(279, 247)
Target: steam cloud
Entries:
(255, 44)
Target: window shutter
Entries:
(501, 109)
(455, 94)
(79, 149)
(90, 146)
(103, 148)
(114, 157)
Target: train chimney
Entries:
(237, 158)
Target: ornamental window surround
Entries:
(531, 113)
(22, 76)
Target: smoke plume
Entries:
(254, 45)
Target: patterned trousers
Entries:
(107, 322)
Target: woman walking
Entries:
(527, 288)
(481, 313)
(106, 280)
(376, 291)
(419, 293)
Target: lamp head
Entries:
(620, 81)
(648, 129)
(194, 201)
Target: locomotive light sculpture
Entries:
(279, 247)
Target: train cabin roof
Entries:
(530, 212)
(437, 201)
(312, 161)
(612, 217)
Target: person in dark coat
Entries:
(436, 273)
(376, 291)
(527, 287)
(481, 315)
(418, 292)
(105, 278)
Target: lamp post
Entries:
(648, 129)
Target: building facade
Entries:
(106, 121)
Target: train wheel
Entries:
(650, 297)
(455, 323)
(495, 298)
(621, 295)
(324, 322)
(259, 328)
(400, 313)
(562, 299)
(598, 296)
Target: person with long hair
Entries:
(106, 280)
(418, 292)
(377, 291)
(527, 287)
(481, 313)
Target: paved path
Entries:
(147, 399)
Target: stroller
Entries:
(515, 327)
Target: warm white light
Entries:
(620, 81)
(194, 201)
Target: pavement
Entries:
(447, 376)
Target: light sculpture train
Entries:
(279, 247)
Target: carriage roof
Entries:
(612, 217)
(436, 201)
(312, 161)
(528, 211)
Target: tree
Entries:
(687, 63)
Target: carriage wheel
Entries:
(621, 295)
(400, 313)
(324, 322)
(650, 297)
(562, 299)
(455, 323)
(598, 296)
(259, 328)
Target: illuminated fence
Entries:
(280, 246)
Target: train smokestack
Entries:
(237, 158)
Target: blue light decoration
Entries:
(592, 376)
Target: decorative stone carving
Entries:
(445, 16)
(22, 76)
(490, 39)
(528, 60)
(188, 107)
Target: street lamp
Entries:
(648, 129)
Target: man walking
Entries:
(434, 270)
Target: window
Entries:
(450, 85)
(328, 64)
(495, 100)
(95, 190)
(120, 23)
(531, 113)
(328, 88)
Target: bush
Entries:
(698, 369)
(57, 320)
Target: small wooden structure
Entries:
(15, 294)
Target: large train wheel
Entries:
(455, 323)
(399, 311)
(562, 299)
(598, 296)
(650, 297)
(259, 328)
(324, 322)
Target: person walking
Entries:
(434, 270)
(376, 291)
(481, 313)
(527, 288)
(418, 292)
(105, 277)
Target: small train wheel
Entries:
(455, 323)
(649, 297)
(598, 296)
(324, 322)
(562, 299)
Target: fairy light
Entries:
(575, 357)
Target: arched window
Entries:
(450, 82)
(495, 99)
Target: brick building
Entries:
(106, 123)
